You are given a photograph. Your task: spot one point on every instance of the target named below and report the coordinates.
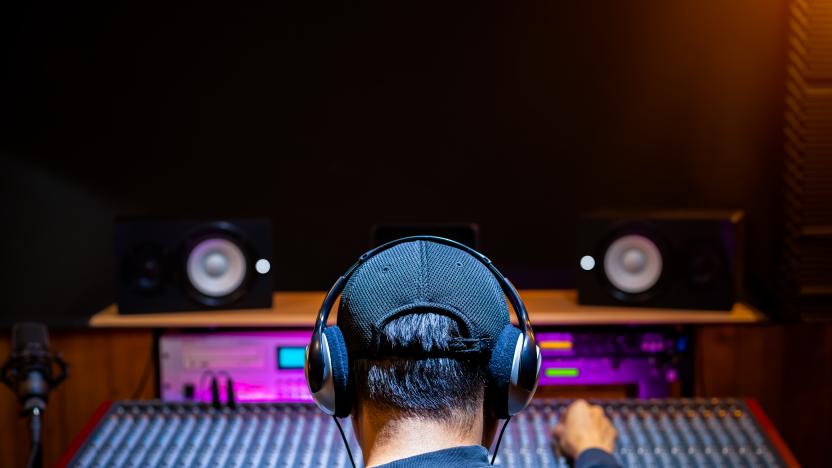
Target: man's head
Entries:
(423, 338)
(420, 321)
(444, 389)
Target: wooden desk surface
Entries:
(545, 306)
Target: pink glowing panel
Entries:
(266, 366)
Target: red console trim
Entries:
(768, 427)
(85, 432)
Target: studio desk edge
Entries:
(545, 307)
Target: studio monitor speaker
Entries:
(179, 265)
(678, 259)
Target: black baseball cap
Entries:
(417, 277)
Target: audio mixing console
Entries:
(660, 433)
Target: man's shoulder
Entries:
(476, 456)
(466, 456)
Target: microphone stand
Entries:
(34, 392)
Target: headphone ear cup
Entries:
(499, 371)
(340, 370)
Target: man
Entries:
(420, 320)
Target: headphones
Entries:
(513, 369)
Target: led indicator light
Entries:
(262, 266)
(556, 344)
(562, 372)
(587, 262)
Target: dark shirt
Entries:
(477, 456)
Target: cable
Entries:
(346, 444)
(215, 393)
(35, 428)
(33, 455)
(230, 399)
(200, 393)
(148, 368)
(499, 439)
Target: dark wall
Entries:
(331, 118)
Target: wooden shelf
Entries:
(546, 307)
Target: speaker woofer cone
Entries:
(216, 268)
(633, 264)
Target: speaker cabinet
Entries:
(181, 265)
(679, 259)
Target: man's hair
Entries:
(439, 388)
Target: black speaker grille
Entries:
(807, 262)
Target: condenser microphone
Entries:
(29, 371)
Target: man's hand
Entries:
(582, 427)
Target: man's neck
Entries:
(390, 438)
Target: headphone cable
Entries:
(346, 444)
(499, 439)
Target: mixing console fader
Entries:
(652, 433)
